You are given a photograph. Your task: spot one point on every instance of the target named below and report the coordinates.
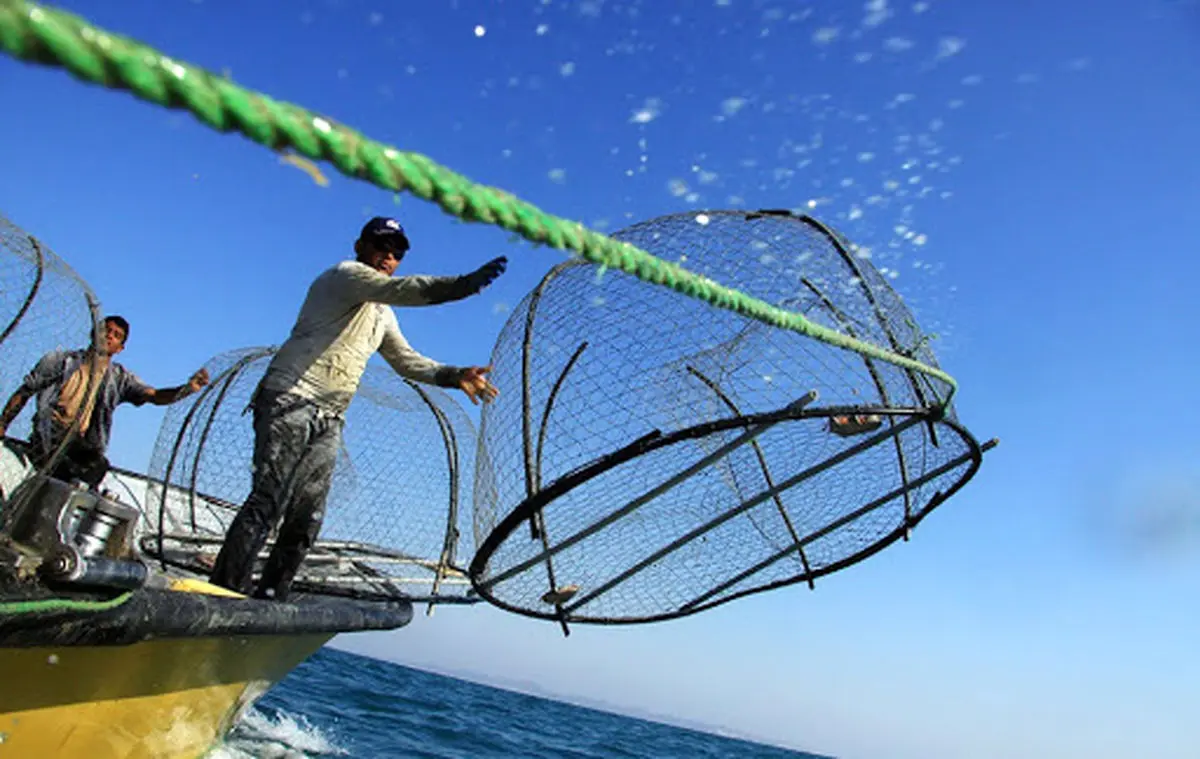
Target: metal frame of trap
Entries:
(933, 413)
(332, 567)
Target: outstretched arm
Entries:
(164, 396)
(367, 285)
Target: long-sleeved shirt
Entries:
(345, 319)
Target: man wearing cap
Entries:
(300, 401)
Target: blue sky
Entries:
(1045, 230)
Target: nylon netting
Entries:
(44, 306)
(576, 525)
(396, 520)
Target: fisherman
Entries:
(300, 402)
(65, 383)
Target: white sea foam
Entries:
(259, 736)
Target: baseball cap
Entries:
(382, 230)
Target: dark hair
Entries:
(120, 322)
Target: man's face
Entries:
(114, 339)
(382, 258)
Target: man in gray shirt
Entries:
(300, 402)
(84, 388)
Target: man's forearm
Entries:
(164, 396)
(15, 403)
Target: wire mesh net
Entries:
(44, 306)
(652, 456)
(395, 520)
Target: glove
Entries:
(446, 289)
(485, 275)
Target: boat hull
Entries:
(158, 699)
(153, 673)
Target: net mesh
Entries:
(747, 486)
(651, 456)
(44, 306)
(395, 520)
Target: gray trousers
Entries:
(295, 451)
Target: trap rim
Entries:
(656, 439)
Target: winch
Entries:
(83, 538)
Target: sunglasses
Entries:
(397, 249)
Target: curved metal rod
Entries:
(187, 420)
(448, 440)
(94, 381)
(745, 506)
(452, 535)
(162, 502)
(538, 473)
(450, 546)
(762, 463)
(541, 441)
(973, 458)
(33, 290)
(879, 385)
(840, 522)
(751, 425)
(349, 553)
(212, 416)
(537, 524)
(535, 297)
(893, 341)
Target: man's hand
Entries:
(476, 385)
(486, 274)
(447, 289)
(165, 396)
(197, 381)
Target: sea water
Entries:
(338, 704)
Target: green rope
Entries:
(35, 33)
(61, 604)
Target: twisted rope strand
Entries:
(37, 34)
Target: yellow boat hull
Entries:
(159, 699)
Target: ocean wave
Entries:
(259, 735)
